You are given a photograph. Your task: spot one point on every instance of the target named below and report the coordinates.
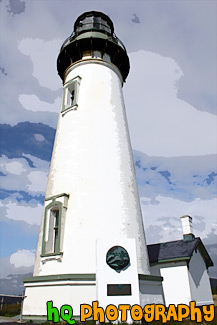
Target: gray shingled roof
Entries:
(177, 250)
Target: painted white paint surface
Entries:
(199, 280)
(61, 292)
(186, 225)
(183, 284)
(143, 291)
(92, 162)
(106, 275)
(151, 292)
(176, 285)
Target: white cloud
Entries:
(38, 181)
(22, 258)
(43, 55)
(160, 123)
(21, 177)
(33, 103)
(185, 178)
(39, 137)
(37, 162)
(30, 212)
(7, 269)
(15, 167)
(165, 216)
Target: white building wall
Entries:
(151, 292)
(199, 280)
(92, 162)
(175, 282)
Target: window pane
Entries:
(97, 54)
(107, 57)
(86, 54)
(72, 97)
(56, 230)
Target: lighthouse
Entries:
(91, 244)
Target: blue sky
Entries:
(170, 98)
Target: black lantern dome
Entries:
(93, 33)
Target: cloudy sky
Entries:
(170, 98)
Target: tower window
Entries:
(52, 231)
(56, 230)
(70, 97)
(54, 220)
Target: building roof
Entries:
(177, 250)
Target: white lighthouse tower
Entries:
(91, 244)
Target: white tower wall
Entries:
(91, 243)
(92, 163)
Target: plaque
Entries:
(117, 258)
(119, 290)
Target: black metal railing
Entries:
(75, 34)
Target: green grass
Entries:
(10, 310)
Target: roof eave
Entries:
(171, 260)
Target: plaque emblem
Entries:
(117, 258)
